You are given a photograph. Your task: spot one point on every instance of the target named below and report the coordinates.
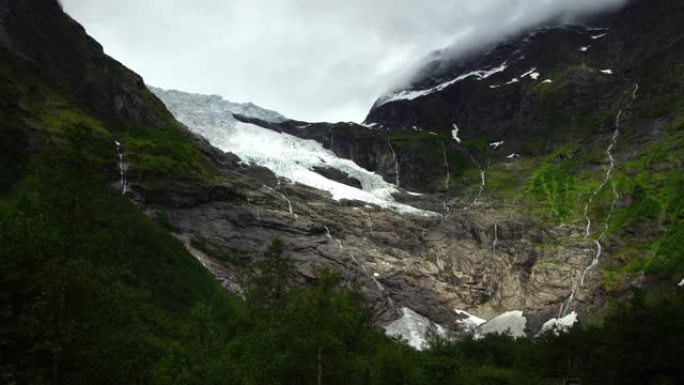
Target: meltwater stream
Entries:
(122, 168)
(616, 196)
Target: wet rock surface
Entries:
(431, 265)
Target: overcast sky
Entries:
(312, 60)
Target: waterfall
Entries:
(289, 205)
(616, 196)
(641, 279)
(365, 270)
(482, 180)
(370, 221)
(607, 178)
(635, 92)
(122, 168)
(377, 283)
(397, 167)
(446, 166)
(282, 196)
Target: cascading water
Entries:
(446, 166)
(289, 205)
(482, 180)
(122, 168)
(616, 196)
(375, 280)
(370, 221)
(282, 196)
(397, 166)
(496, 237)
(365, 270)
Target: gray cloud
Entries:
(308, 59)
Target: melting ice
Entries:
(287, 156)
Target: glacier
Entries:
(415, 329)
(512, 323)
(285, 155)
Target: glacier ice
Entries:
(559, 325)
(469, 323)
(287, 156)
(414, 328)
(512, 323)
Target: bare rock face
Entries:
(486, 259)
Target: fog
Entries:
(313, 60)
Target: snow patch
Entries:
(681, 283)
(548, 81)
(532, 73)
(596, 37)
(414, 328)
(415, 94)
(513, 156)
(607, 71)
(559, 325)
(454, 133)
(469, 323)
(585, 49)
(496, 145)
(512, 323)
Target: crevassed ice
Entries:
(414, 328)
(286, 155)
(217, 104)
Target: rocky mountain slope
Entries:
(552, 160)
(539, 199)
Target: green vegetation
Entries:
(422, 148)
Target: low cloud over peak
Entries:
(315, 60)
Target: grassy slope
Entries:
(646, 226)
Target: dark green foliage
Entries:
(167, 151)
(554, 187)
